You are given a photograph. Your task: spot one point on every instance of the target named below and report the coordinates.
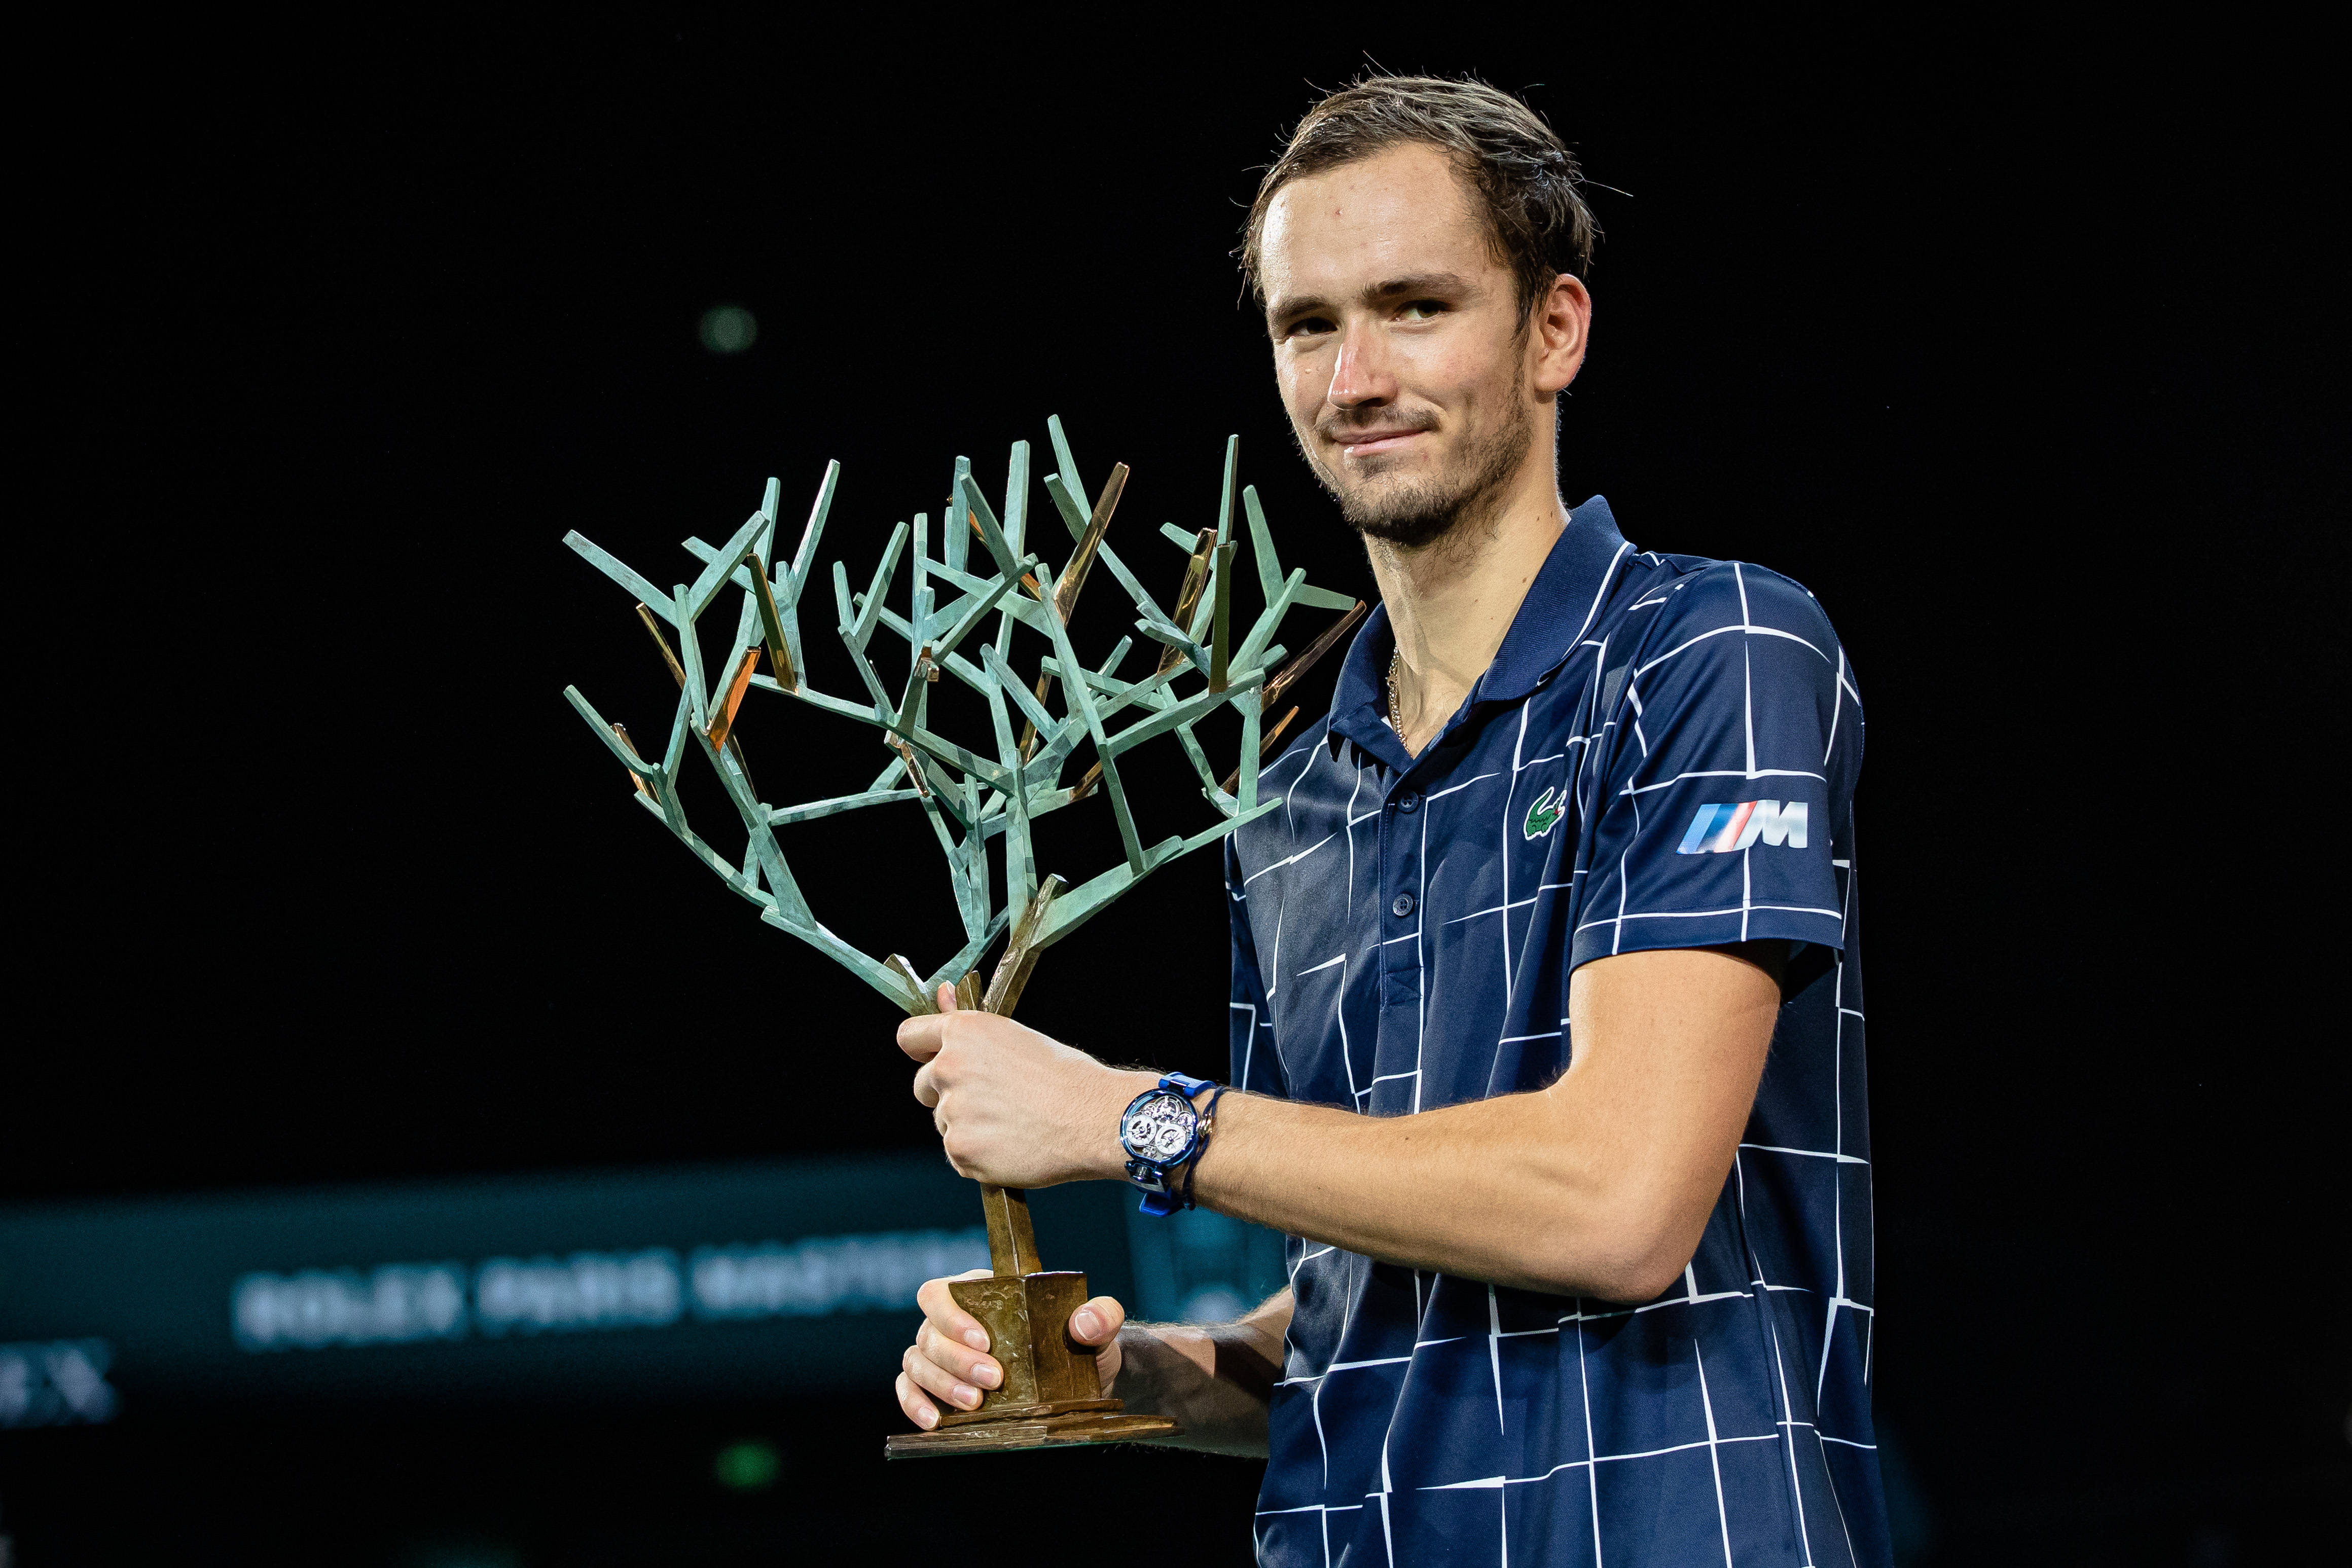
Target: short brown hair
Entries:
(1525, 181)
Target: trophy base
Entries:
(1052, 1396)
(1064, 1431)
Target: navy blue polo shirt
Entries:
(1662, 755)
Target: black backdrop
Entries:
(2000, 346)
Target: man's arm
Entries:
(1599, 1185)
(1214, 1380)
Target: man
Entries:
(1548, 1017)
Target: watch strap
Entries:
(1200, 1143)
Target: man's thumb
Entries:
(1098, 1322)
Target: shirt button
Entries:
(1403, 906)
(1409, 805)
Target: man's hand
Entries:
(1213, 1379)
(949, 1363)
(1013, 1108)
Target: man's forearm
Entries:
(1493, 1190)
(1599, 1185)
(1214, 1380)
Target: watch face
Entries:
(1160, 1128)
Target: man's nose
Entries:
(1359, 377)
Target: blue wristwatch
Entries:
(1161, 1132)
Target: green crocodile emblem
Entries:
(1547, 811)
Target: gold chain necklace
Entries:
(1396, 717)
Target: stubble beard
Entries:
(1413, 513)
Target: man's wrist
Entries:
(1165, 1160)
(1142, 1352)
(1106, 1156)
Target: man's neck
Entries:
(1451, 601)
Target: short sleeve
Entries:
(1727, 776)
(1257, 1065)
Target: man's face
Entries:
(1397, 343)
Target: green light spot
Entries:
(729, 329)
(747, 1466)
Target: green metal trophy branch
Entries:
(973, 794)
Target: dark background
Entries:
(2005, 346)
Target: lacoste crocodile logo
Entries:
(1547, 811)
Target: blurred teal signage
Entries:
(737, 1282)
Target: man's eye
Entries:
(1422, 310)
(1308, 327)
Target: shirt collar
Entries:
(1558, 609)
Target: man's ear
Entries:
(1561, 325)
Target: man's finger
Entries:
(952, 1321)
(919, 1410)
(1098, 1322)
(921, 1037)
(962, 1361)
(937, 1381)
(946, 998)
(927, 1094)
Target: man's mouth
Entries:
(1372, 443)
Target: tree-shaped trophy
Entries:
(973, 794)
